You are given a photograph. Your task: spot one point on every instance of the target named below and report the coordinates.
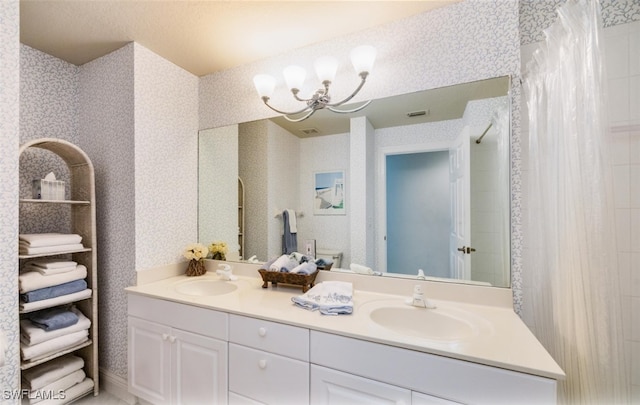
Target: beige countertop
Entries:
(501, 338)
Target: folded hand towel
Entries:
(305, 268)
(284, 263)
(62, 384)
(358, 268)
(28, 250)
(33, 280)
(71, 393)
(293, 223)
(30, 334)
(49, 267)
(63, 299)
(54, 291)
(54, 318)
(49, 347)
(49, 239)
(328, 297)
(51, 371)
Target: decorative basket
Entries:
(275, 277)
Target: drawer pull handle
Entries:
(262, 364)
(165, 336)
(172, 339)
(262, 331)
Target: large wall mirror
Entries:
(422, 180)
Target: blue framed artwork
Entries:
(329, 193)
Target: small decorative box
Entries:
(48, 188)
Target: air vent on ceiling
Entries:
(309, 131)
(417, 113)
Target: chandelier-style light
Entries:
(362, 58)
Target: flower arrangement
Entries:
(196, 253)
(218, 250)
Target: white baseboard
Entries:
(116, 386)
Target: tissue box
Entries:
(48, 189)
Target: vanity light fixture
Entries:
(362, 58)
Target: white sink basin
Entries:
(205, 287)
(445, 324)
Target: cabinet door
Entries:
(149, 355)
(331, 387)
(200, 369)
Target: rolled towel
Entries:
(49, 347)
(268, 264)
(51, 371)
(54, 291)
(360, 269)
(51, 302)
(49, 239)
(33, 280)
(305, 268)
(30, 334)
(53, 318)
(284, 263)
(322, 262)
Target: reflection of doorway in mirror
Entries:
(418, 213)
(329, 192)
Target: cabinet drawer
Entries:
(267, 377)
(194, 319)
(273, 337)
(443, 377)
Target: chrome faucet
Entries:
(418, 299)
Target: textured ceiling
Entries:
(202, 37)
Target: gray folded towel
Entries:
(54, 291)
(54, 318)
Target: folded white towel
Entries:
(50, 266)
(28, 250)
(71, 393)
(358, 268)
(64, 383)
(328, 297)
(293, 226)
(51, 371)
(32, 335)
(34, 280)
(52, 302)
(49, 239)
(49, 347)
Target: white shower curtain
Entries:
(570, 252)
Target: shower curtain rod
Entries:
(484, 133)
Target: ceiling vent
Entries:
(417, 113)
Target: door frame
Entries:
(381, 191)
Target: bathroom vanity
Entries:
(206, 340)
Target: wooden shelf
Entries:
(25, 365)
(38, 201)
(54, 253)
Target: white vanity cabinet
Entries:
(427, 378)
(177, 353)
(268, 362)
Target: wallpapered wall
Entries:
(9, 128)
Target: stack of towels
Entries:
(49, 331)
(42, 243)
(328, 297)
(292, 263)
(49, 282)
(64, 374)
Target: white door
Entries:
(460, 188)
(149, 355)
(418, 398)
(331, 387)
(200, 369)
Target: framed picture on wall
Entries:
(329, 193)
